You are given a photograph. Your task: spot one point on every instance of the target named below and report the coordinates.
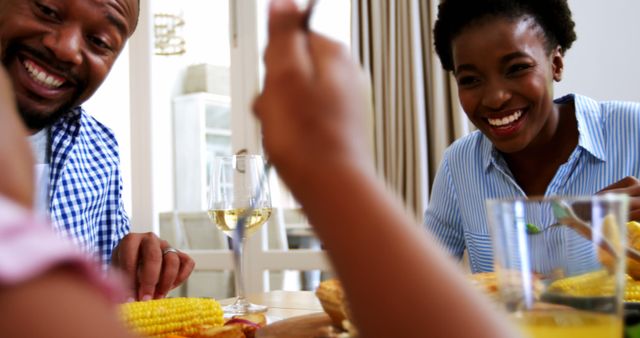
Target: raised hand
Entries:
(313, 107)
(314, 115)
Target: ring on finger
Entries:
(170, 250)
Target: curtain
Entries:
(415, 113)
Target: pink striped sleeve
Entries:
(29, 248)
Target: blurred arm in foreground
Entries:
(312, 112)
(47, 288)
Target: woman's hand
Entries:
(629, 186)
(313, 107)
(16, 158)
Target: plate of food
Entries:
(587, 291)
(314, 325)
(333, 323)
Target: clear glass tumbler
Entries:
(560, 263)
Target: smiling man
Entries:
(58, 53)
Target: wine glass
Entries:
(239, 191)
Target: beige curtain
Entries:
(416, 114)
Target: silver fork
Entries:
(566, 216)
(238, 233)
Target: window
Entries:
(330, 17)
(205, 96)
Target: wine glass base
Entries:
(243, 307)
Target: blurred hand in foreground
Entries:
(313, 107)
(16, 167)
(36, 291)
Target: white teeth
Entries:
(41, 76)
(499, 122)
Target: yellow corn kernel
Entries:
(632, 291)
(179, 316)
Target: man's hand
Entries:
(150, 273)
(629, 186)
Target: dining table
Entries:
(284, 304)
(292, 314)
(290, 305)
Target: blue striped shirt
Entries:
(85, 189)
(472, 171)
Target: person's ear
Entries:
(557, 63)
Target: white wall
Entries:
(208, 22)
(206, 33)
(110, 105)
(603, 62)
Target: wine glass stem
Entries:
(239, 273)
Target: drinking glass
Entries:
(238, 189)
(553, 280)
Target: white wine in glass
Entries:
(239, 192)
(227, 219)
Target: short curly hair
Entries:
(553, 16)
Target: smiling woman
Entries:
(505, 73)
(505, 56)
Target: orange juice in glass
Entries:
(560, 264)
(564, 324)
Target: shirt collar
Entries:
(590, 125)
(73, 113)
(72, 117)
(591, 135)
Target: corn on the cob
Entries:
(597, 283)
(179, 316)
(594, 284)
(609, 229)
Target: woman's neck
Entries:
(534, 167)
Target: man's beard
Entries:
(35, 120)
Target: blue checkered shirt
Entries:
(472, 171)
(85, 191)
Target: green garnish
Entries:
(532, 229)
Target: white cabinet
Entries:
(202, 130)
